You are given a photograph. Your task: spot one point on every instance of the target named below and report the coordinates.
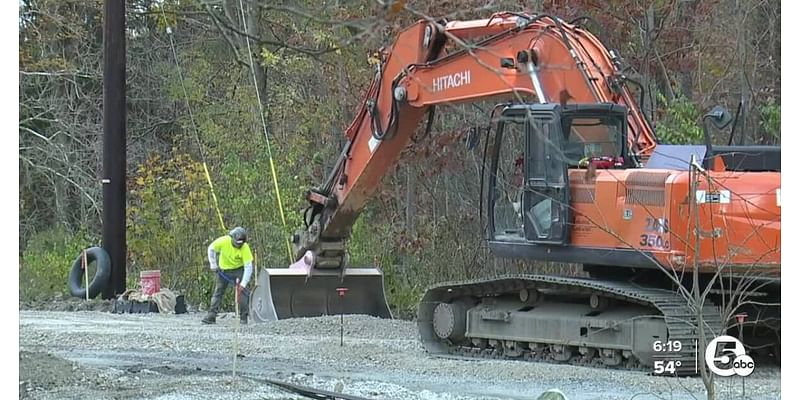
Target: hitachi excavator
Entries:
(574, 174)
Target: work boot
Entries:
(243, 320)
(210, 319)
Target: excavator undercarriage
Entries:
(574, 320)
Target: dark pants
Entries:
(220, 287)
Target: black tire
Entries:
(101, 276)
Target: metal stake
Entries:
(236, 340)
(341, 291)
(740, 318)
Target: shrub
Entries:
(770, 114)
(679, 125)
(46, 262)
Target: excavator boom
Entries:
(512, 56)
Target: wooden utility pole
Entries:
(114, 145)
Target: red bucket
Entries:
(150, 281)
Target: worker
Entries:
(230, 258)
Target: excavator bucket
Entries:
(283, 293)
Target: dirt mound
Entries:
(41, 372)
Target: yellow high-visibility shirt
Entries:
(230, 257)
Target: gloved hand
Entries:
(214, 267)
(239, 290)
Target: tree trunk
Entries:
(254, 30)
(231, 9)
(686, 73)
(662, 77)
(649, 103)
(697, 298)
(741, 58)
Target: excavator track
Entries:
(538, 318)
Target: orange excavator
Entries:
(574, 174)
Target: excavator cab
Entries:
(534, 146)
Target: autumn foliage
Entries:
(312, 64)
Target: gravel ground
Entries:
(93, 354)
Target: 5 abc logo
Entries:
(725, 356)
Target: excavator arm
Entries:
(514, 58)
